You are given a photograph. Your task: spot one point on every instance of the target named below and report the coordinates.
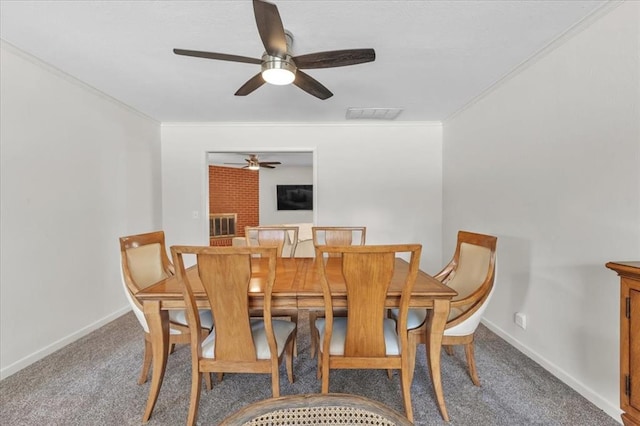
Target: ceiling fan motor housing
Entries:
(275, 65)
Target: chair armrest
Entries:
(443, 275)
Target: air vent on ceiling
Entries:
(373, 113)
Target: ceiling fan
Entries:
(254, 164)
(278, 65)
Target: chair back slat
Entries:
(339, 236)
(367, 277)
(277, 236)
(229, 275)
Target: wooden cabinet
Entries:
(629, 273)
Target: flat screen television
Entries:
(295, 197)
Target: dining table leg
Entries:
(435, 331)
(158, 322)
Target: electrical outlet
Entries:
(521, 320)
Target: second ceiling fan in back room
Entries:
(254, 164)
(278, 66)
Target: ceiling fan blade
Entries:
(311, 86)
(335, 58)
(269, 162)
(266, 166)
(270, 27)
(252, 84)
(220, 56)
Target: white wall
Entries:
(283, 175)
(550, 163)
(387, 177)
(78, 170)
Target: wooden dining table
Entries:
(297, 286)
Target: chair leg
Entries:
(449, 350)
(413, 341)
(471, 362)
(207, 381)
(405, 383)
(314, 333)
(289, 358)
(294, 319)
(196, 386)
(146, 363)
(325, 372)
(275, 379)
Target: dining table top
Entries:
(297, 284)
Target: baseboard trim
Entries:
(612, 410)
(59, 344)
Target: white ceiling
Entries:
(432, 57)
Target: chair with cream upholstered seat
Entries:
(237, 343)
(143, 262)
(275, 236)
(366, 338)
(339, 235)
(471, 272)
(333, 236)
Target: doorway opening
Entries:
(248, 192)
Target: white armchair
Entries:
(143, 262)
(471, 272)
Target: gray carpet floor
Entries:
(93, 381)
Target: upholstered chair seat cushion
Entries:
(338, 336)
(180, 317)
(416, 317)
(281, 330)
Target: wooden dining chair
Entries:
(278, 236)
(366, 338)
(339, 235)
(143, 262)
(471, 272)
(237, 343)
(332, 236)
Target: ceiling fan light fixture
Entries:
(279, 65)
(254, 165)
(277, 70)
